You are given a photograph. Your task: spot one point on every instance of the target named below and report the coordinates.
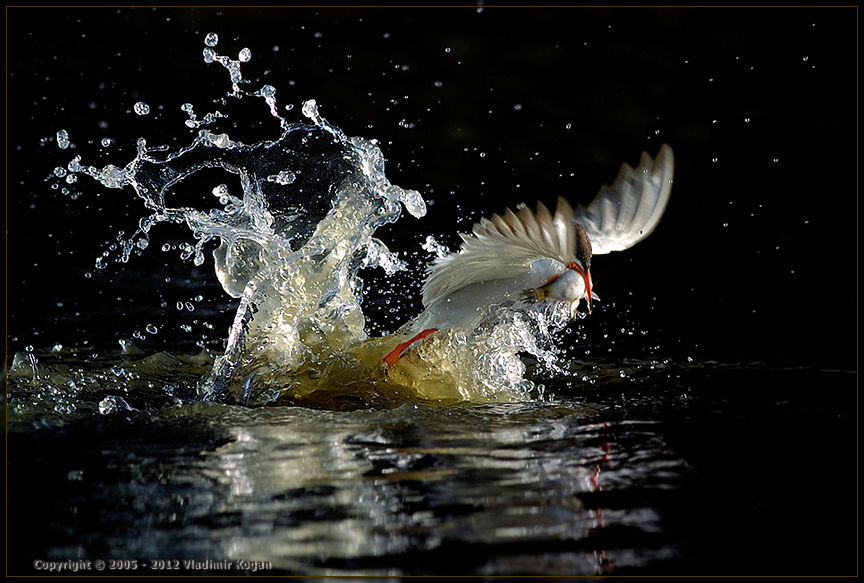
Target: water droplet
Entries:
(310, 110)
(63, 139)
(113, 404)
(268, 92)
(212, 39)
(112, 177)
(141, 108)
(284, 177)
(244, 56)
(152, 329)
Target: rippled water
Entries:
(673, 468)
(701, 421)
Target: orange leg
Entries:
(394, 355)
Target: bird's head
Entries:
(574, 283)
(571, 285)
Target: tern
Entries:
(527, 257)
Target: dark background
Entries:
(755, 260)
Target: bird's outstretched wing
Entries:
(628, 211)
(504, 247)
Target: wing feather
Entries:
(628, 211)
(503, 247)
(506, 245)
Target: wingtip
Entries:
(665, 159)
(625, 213)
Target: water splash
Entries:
(290, 245)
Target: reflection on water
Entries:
(351, 492)
(647, 474)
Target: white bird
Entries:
(528, 257)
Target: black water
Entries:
(709, 422)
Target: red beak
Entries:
(586, 275)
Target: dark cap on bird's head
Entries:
(583, 247)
